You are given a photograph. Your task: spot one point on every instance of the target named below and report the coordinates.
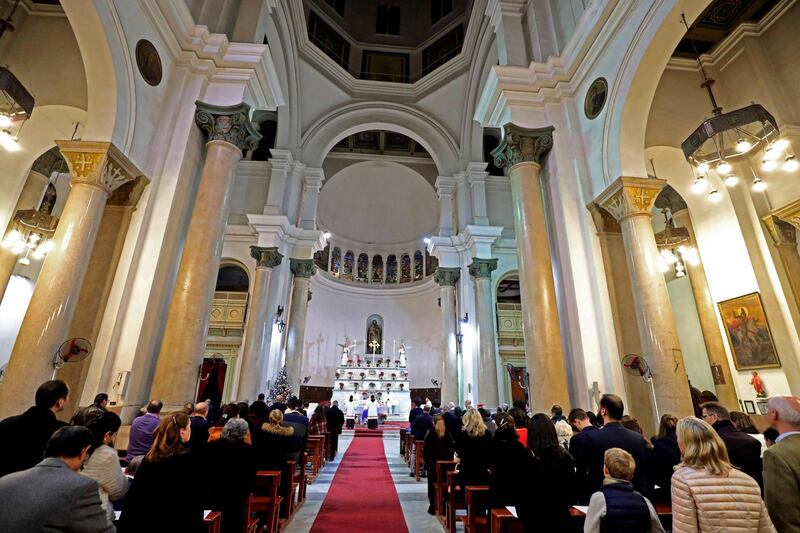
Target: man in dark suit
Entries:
(278, 404)
(613, 435)
(82, 415)
(335, 419)
(299, 422)
(452, 421)
(23, 437)
(415, 412)
(200, 425)
(53, 496)
(579, 419)
(743, 450)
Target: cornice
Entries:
(377, 89)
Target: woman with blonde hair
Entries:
(473, 446)
(169, 467)
(438, 447)
(708, 494)
(274, 445)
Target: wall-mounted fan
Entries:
(71, 351)
(636, 365)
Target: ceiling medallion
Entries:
(149, 62)
(595, 98)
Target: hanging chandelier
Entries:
(31, 235)
(727, 137)
(674, 247)
(16, 103)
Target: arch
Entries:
(634, 87)
(336, 262)
(361, 116)
(232, 276)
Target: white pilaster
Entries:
(312, 182)
(445, 186)
(505, 16)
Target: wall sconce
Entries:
(466, 318)
(459, 338)
(278, 322)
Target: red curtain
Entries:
(212, 380)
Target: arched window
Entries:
(347, 269)
(377, 269)
(405, 268)
(336, 262)
(391, 269)
(418, 272)
(363, 268)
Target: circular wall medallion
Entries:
(149, 62)
(595, 98)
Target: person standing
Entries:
(438, 447)
(743, 450)
(102, 463)
(319, 423)
(200, 425)
(511, 465)
(473, 446)
(415, 412)
(23, 437)
(99, 404)
(231, 469)
(782, 464)
(142, 431)
(666, 454)
(52, 496)
(350, 413)
(579, 419)
(372, 413)
(708, 493)
(335, 419)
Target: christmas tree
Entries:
(281, 386)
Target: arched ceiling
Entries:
(378, 202)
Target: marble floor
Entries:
(413, 496)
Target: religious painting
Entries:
(336, 262)
(749, 407)
(377, 269)
(149, 62)
(384, 66)
(748, 332)
(347, 268)
(391, 269)
(595, 98)
(418, 267)
(362, 268)
(405, 268)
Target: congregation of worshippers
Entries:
(245, 467)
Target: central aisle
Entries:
(362, 496)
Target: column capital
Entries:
(447, 276)
(782, 233)
(520, 145)
(628, 197)
(789, 213)
(266, 257)
(227, 123)
(445, 185)
(302, 268)
(482, 268)
(128, 194)
(99, 164)
(603, 221)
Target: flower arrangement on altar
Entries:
(361, 374)
(402, 386)
(349, 362)
(341, 386)
(372, 373)
(350, 375)
(371, 385)
(394, 376)
(388, 387)
(380, 375)
(358, 361)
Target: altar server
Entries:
(350, 413)
(372, 413)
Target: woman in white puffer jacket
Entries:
(708, 494)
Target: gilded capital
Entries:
(628, 197)
(603, 220)
(266, 257)
(227, 123)
(447, 276)
(482, 268)
(789, 213)
(782, 233)
(302, 268)
(100, 164)
(522, 144)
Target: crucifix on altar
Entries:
(374, 345)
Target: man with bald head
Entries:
(200, 425)
(142, 429)
(280, 403)
(782, 464)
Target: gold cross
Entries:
(83, 161)
(374, 345)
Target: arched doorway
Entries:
(510, 340)
(217, 377)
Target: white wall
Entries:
(12, 311)
(336, 310)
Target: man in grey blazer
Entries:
(52, 496)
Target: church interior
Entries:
(482, 202)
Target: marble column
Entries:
(229, 131)
(446, 278)
(302, 269)
(630, 202)
(29, 199)
(709, 323)
(521, 153)
(253, 356)
(481, 271)
(96, 170)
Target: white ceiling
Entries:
(378, 202)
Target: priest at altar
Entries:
(372, 413)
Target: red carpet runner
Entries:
(362, 496)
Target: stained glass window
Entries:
(377, 269)
(321, 258)
(347, 269)
(391, 269)
(405, 268)
(363, 268)
(431, 263)
(418, 273)
(336, 262)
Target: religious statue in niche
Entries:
(374, 337)
(346, 347)
(758, 385)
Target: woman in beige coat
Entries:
(708, 494)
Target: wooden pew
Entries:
(288, 503)
(419, 450)
(314, 448)
(300, 478)
(265, 501)
(502, 521)
(455, 500)
(213, 522)
(440, 488)
(477, 503)
(249, 522)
